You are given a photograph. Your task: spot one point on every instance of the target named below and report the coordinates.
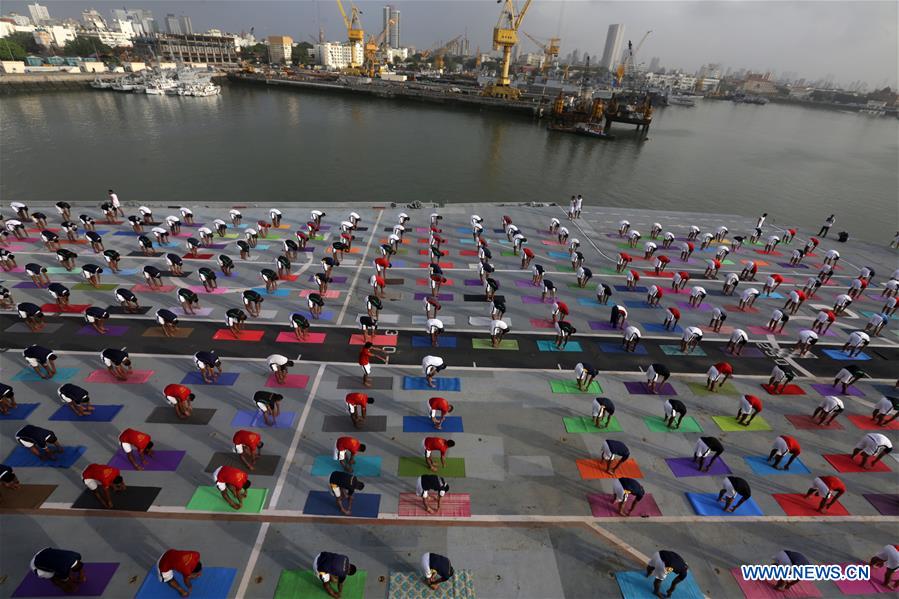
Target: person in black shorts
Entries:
(127, 300)
(625, 488)
(614, 450)
(269, 404)
(705, 447)
(77, 398)
(253, 302)
(343, 485)
(660, 565)
(675, 410)
(96, 317)
(733, 486)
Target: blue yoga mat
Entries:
(420, 383)
(276, 293)
(423, 341)
(124, 272)
(255, 420)
(22, 458)
(637, 289)
(559, 255)
(214, 583)
(365, 466)
(636, 585)
(20, 412)
(100, 414)
(321, 503)
(547, 345)
(760, 466)
(837, 354)
(126, 234)
(640, 304)
(707, 504)
(28, 375)
(325, 315)
(654, 327)
(617, 348)
(423, 424)
(588, 301)
(195, 378)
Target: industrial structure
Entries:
(505, 37)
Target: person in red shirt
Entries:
(247, 445)
(772, 283)
(687, 251)
(823, 321)
(432, 444)
(377, 284)
(633, 277)
(718, 375)
(180, 397)
(136, 444)
(527, 255)
(560, 311)
(186, 563)
(623, 261)
(749, 271)
(365, 354)
(672, 316)
(232, 482)
(750, 405)
(829, 489)
(345, 451)
(680, 280)
(784, 445)
(712, 267)
(794, 301)
(357, 406)
(661, 263)
(438, 408)
(381, 265)
(99, 478)
(654, 295)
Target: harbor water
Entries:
(257, 145)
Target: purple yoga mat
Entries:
(162, 461)
(533, 299)
(703, 307)
(473, 283)
(885, 503)
(97, 577)
(112, 330)
(441, 297)
(527, 284)
(682, 467)
(828, 389)
(640, 388)
(750, 352)
(603, 325)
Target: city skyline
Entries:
(845, 42)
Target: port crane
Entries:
(355, 33)
(550, 50)
(505, 36)
(439, 52)
(372, 47)
(628, 62)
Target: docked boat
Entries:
(101, 84)
(681, 101)
(586, 129)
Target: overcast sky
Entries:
(849, 39)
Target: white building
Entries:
(92, 19)
(614, 45)
(113, 39)
(90, 66)
(336, 55)
(39, 14)
(531, 59)
(392, 55)
(12, 66)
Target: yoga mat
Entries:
(353, 382)
(701, 390)
(421, 341)
(550, 346)
(790, 389)
(476, 321)
(804, 422)
(764, 589)
(674, 350)
(100, 414)
(70, 309)
(707, 504)
(209, 499)
(684, 467)
(28, 375)
(166, 415)
(569, 386)
(254, 419)
(330, 294)
(423, 424)
(26, 497)
(540, 323)
(343, 424)
(593, 468)
(656, 424)
(195, 378)
(300, 584)
(266, 465)
(826, 389)
(455, 467)
(111, 330)
(837, 354)
(245, 335)
(584, 424)
(364, 467)
(618, 348)
(654, 327)
(452, 505)
(420, 383)
(864, 587)
(161, 461)
(322, 503)
(505, 344)
(637, 289)
(21, 327)
(25, 285)
(640, 388)
(217, 291)
(377, 340)
(135, 377)
(97, 576)
(141, 288)
(132, 499)
(22, 458)
(603, 325)
(533, 299)
(588, 301)
(865, 423)
(292, 381)
(763, 331)
(410, 585)
(703, 307)
(602, 505)
(635, 585)
(215, 583)
(179, 333)
(471, 297)
(885, 503)
(729, 424)
(316, 338)
(796, 504)
(843, 462)
(99, 287)
(20, 412)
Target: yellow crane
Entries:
(505, 36)
(550, 50)
(373, 46)
(439, 52)
(354, 31)
(629, 57)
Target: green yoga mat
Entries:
(89, 287)
(507, 253)
(701, 390)
(567, 386)
(657, 425)
(209, 499)
(511, 344)
(297, 584)
(587, 287)
(729, 424)
(563, 268)
(455, 467)
(582, 424)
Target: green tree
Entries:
(26, 41)
(10, 50)
(85, 46)
(301, 53)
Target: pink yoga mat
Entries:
(293, 381)
(757, 589)
(291, 338)
(137, 377)
(602, 505)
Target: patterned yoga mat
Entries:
(411, 585)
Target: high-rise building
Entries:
(387, 10)
(187, 27)
(280, 48)
(93, 19)
(395, 28)
(612, 51)
(39, 14)
(654, 63)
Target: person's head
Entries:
(111, 191)
(357, 484)
(362, 447)
(78, 566)
(149, 446)
(351, 570)
(191, 397)
(450, 409)
(441, 367)
(198, 569)
(289, 363)
(371, 400)
(368, 345)
(450, 443)
(261, 445)
(118, 481)
(52, 438)
(276, 397)
(126, 362)
(247, 485)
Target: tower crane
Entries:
(505, 36)
(354, 31)
(439, 52)
(373, 46)
(550, 50)
(627, 63)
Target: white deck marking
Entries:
(359, 267)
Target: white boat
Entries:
(210, 89)
(101, 84)
(681, 101)
(122, 86)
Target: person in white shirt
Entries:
(498, 330)
(831, 257)
(434, 328)
(633, 237)
(718, 318)
(889, 558)
(623, 227)
(649, 248)
(889, 307)
(807, 338)
(667, 239)
(279, 365)
(841, 303)
(829, 408)
(275, 215)
(876, 324)
(771, 243)
(690, 339)
(736, 343)
(873, 445)
(431, 366)
(631, 338)
(187, 214)
(697, 294)
(730, 283)
(655, 230)
(857, 341)
(747, 299)
(694, 232)
(887, 406)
